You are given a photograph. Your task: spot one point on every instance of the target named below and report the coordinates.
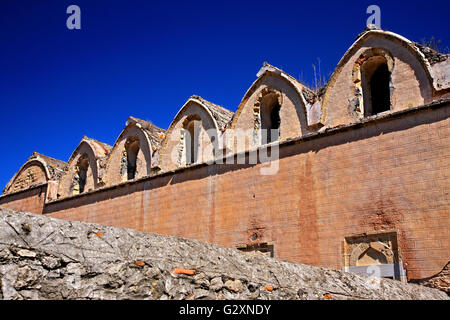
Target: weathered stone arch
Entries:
(412, 83)
(262, 110)
(92, 152)
(190, 118)
(296, 113)
(365, 248)
(116, 171)
(32, 172)
(38, 169)
(212, 121)
(361, 86)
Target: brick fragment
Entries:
(327, 296)
(139, 263)
(189, 272)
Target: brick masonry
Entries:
(439, 281)
(390, 174)
(346, 175)
(30, 200)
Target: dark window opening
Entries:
(274, 124)
(80, 178)
(380, 94)
(132, 148)
(376, 86)
(270, 119)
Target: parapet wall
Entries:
(30, 200)
(45, 258)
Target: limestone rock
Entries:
(57, 260)
(26, 253)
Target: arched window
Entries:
(376, 85)
(192, 130)
(79, 181)
(132, 150)
(270, 118)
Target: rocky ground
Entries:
(45, 258)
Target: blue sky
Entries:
(145, 58)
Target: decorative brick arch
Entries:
(365, 246)
(190, 118)
(257, 105)
(338, 86)
(115, 171)
(358, 101)
(88, 150)
(270, 71)
(212, 117)
(33, 171)
(296, 113)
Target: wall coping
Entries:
(38, 185)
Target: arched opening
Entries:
(192, 131)
(132, 149)
(376, 85)
(79, 180)
(270, 118)
(375, 254)
(371, 257)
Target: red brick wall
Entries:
(392, 174)
(30, 200)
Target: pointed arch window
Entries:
(132, 148)
(376, 89)
(373, 83)
(192, 143)
(80, 178)
(270, 118)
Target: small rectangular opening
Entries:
(264, 249)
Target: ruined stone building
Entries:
(361, 177)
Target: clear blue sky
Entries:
(145, 58)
